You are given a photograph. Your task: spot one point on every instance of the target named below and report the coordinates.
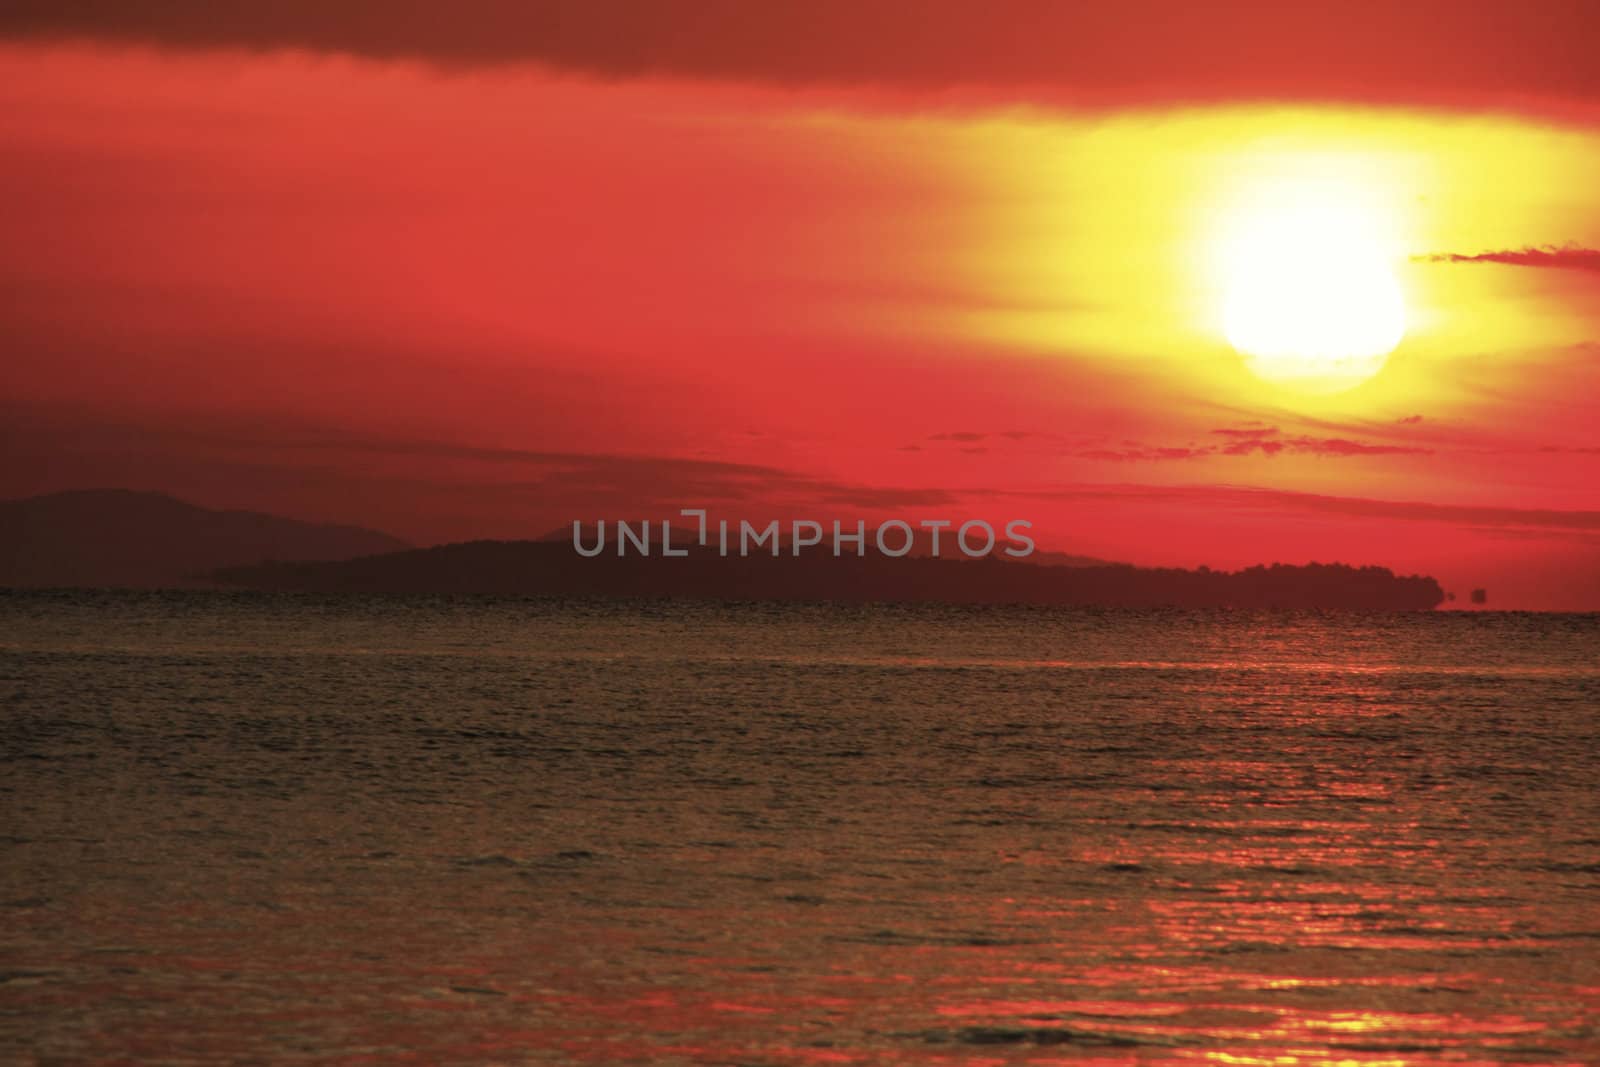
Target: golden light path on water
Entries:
(454, 831)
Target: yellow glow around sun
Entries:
(1308, 288)
(1261, 257)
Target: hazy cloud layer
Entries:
(350, 464)
(1430, 51)
(1283, 500)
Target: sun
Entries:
(1309, 293)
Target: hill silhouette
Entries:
(120, 537)
(553, 568)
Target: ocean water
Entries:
(290, 829)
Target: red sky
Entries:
(483, 274)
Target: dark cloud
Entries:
(1248, 445)
(1246, 441)
(1567, 257)
(1247, 431)
(1323, 446)
(1427, 51)
(1139, 453)
(974, 437)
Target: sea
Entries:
(256, 829)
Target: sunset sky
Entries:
(480, 272)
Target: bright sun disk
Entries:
(1310, 298)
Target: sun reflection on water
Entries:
(827, 861)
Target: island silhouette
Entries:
(123, 538)
(553, 568)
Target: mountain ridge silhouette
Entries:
(138, 539)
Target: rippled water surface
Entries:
(291, 829)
